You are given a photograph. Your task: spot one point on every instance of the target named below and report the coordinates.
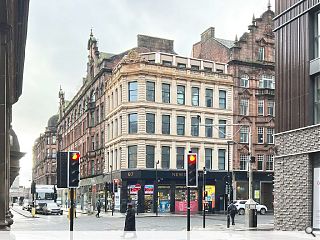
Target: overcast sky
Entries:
(58, 31)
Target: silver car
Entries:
(52, 208)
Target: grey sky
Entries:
(58, 31)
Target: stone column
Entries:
(3, 125)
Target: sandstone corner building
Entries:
(145, 106)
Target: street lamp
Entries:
(112, 190)
(156, 188)
(230, 192)
(250, 203)
(204, 197)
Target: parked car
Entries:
(26, 206)
(240, 204)
(52, 208)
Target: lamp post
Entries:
(250, 205)
(156, 188)
(204, 197)
(112, 190)
(230, 192)
(105, 196)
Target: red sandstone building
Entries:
(251, 61)
(44, 155)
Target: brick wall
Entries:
(293, 178)
(155, 44)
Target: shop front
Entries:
(262, 187)
(169, 193)
(181, 200)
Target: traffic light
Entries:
(192, 171)
(62, 169)
(115, 184)
(33, 187)
(74, 169)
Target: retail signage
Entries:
(211, 192)
(148, 189)
(316, 197)
(117, 200)
(134, 189)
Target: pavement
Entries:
(27, 214)
(164, 227)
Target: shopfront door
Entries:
(181, 200)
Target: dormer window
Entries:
(195, 67)
(167, 63)
(181, 65)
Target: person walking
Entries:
(98, 208)
(130, 222)
(232, 211)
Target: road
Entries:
(144, 222)
(169, 227)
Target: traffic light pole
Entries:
(188, 209)
(204, 200)
(112, 191)
(71, 214)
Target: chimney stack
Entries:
(207, 34)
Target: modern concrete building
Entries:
(297, 164)
(13, 33)
(44, 159)
(251, 62)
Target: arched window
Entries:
(244, 81)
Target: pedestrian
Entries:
(130, 222)
(232, 211)
(98, 208)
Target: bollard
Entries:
(228, 220)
